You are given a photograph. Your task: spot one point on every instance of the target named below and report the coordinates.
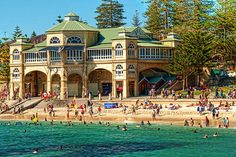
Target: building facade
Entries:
(76, 58)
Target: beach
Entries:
(117, 115)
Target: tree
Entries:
(154, 21)
(182, 16)
(194, 53)
(225, 29)
(59, 19)
(110, 14)
(33, 34)
(136, 20)
(5, 59)
(17, 33)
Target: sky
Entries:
(41, 15)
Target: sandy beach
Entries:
(166, 116)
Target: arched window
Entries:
(54, 40)
(119, 70)
(16, 73)
(16, 55)
(131, 69)
(74, 40)
(119, 50)
(131, 50)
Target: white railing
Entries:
(99, 54)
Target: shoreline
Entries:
(121, 118)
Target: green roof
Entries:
(145, 44)
(38, 46)
(107, 34)
(71, 14)
(154, 79)
(108, 45)
(20, 43)
(72, 26)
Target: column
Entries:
(11, 89)
(22, 87)
(136, 89)
(49, 81)
(125, 89)
(64, 91)
(114, 93)
(84, 87)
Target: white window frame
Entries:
(119, 70)
(74, 40)
(74, 55)
(16, 55)
(16, 73)
(119, 50)
(55, 40)
(131, 69)
(99, 54)
(131, 50)
(55, 55)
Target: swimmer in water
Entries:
(215, 134)
(205, 136)
(194, 131)
(100, 123)
(149, 123)
(35, 151)
(124, 128)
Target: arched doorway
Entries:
(35, 82)
(74, 85)
(100, 80)
(56, 84)
(153, 80)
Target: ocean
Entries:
(92, 140)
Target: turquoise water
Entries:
(100, 140)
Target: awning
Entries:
(50, 48)
(57, 48)
(73, 47)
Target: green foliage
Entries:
(194, 53)
(59, 19)
(17, 33)
(154, 21)
(110, 14)
(33, 34)
(5, 59)
(136, 20)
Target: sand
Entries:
(172, 117)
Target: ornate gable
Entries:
(139, 33)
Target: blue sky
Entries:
(40, 15)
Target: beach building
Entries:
(75, 59)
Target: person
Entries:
(226, 122)
(205, 136)
(215, 134)
(153, 114)
(35, 151)
(142, 123)
(99, 110)
(217, 112)
(207, 121)
(124, 128)
(186, 122)
(191, 121)
(213, 113)
(149, 123)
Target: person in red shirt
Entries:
(99, 110)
